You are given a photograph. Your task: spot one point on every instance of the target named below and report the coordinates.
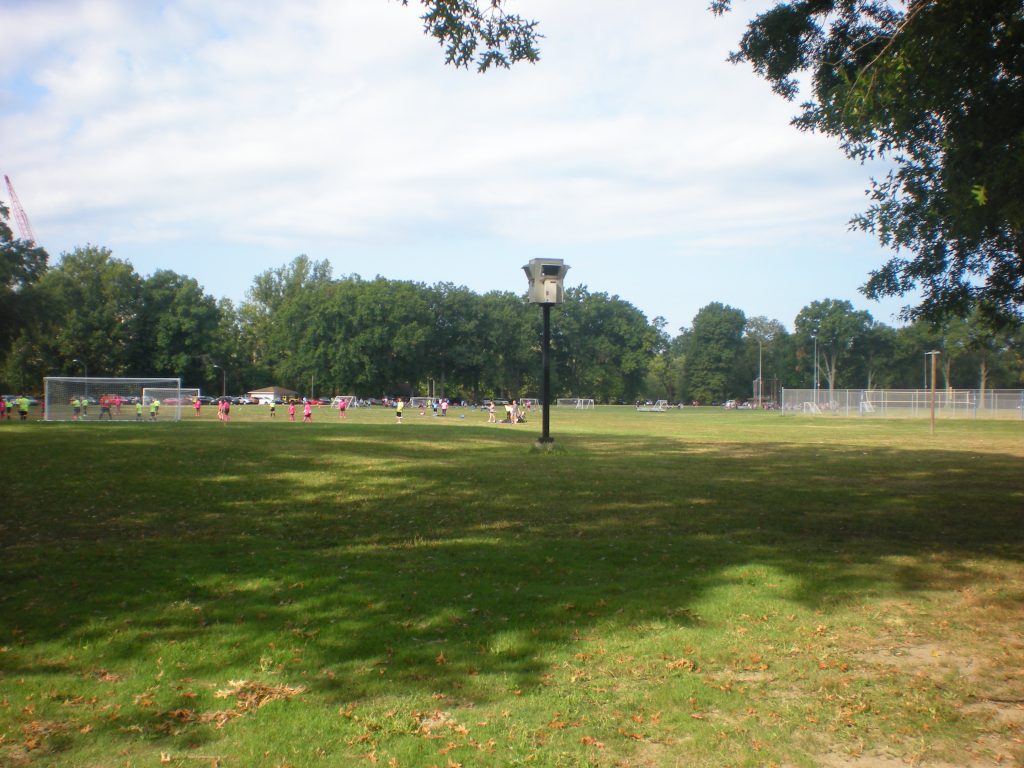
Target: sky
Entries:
(220, 140)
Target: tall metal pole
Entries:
(86, 369)
(223, 380)
(546, 363)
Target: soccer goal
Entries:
(659, 407)
(75, 398)
(420, 402)
(579, 403)
(349, 401)
(169, 396)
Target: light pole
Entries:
(223, 381)
(86, 369)
(546, 277)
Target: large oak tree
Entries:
(935, 88)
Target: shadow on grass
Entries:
(367, 560)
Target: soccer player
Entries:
(291, 410)
(307, 413)
(398, 411)
(23, 408)
(342, 409)
(138, 410)
(198, 405)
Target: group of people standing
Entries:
(111, 405)
(19, 404)
(513, 413)
(224, 410)
(513, 410)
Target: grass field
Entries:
(681, 589)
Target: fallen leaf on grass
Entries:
(38, 730)
(253, 695)
(590, 741)
(686, 664)
(249, 696)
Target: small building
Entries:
(269, 395)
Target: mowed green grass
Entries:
(695, 588)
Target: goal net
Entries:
(419, 402)
(579, 403)
(349, 400)
(659, 407)
(168, 396)
(93, 398)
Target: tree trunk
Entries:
(984, 381)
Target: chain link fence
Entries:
(905, 403)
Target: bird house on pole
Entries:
(546, 278)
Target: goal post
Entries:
(96, 398)
(420, 402)
(659, 407)
(579, 403)
(169, 396)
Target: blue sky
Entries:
(223, 139)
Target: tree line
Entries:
(305, 329)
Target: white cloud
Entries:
(331, 127)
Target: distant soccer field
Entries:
(696, 587)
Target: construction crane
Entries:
(20, 218)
